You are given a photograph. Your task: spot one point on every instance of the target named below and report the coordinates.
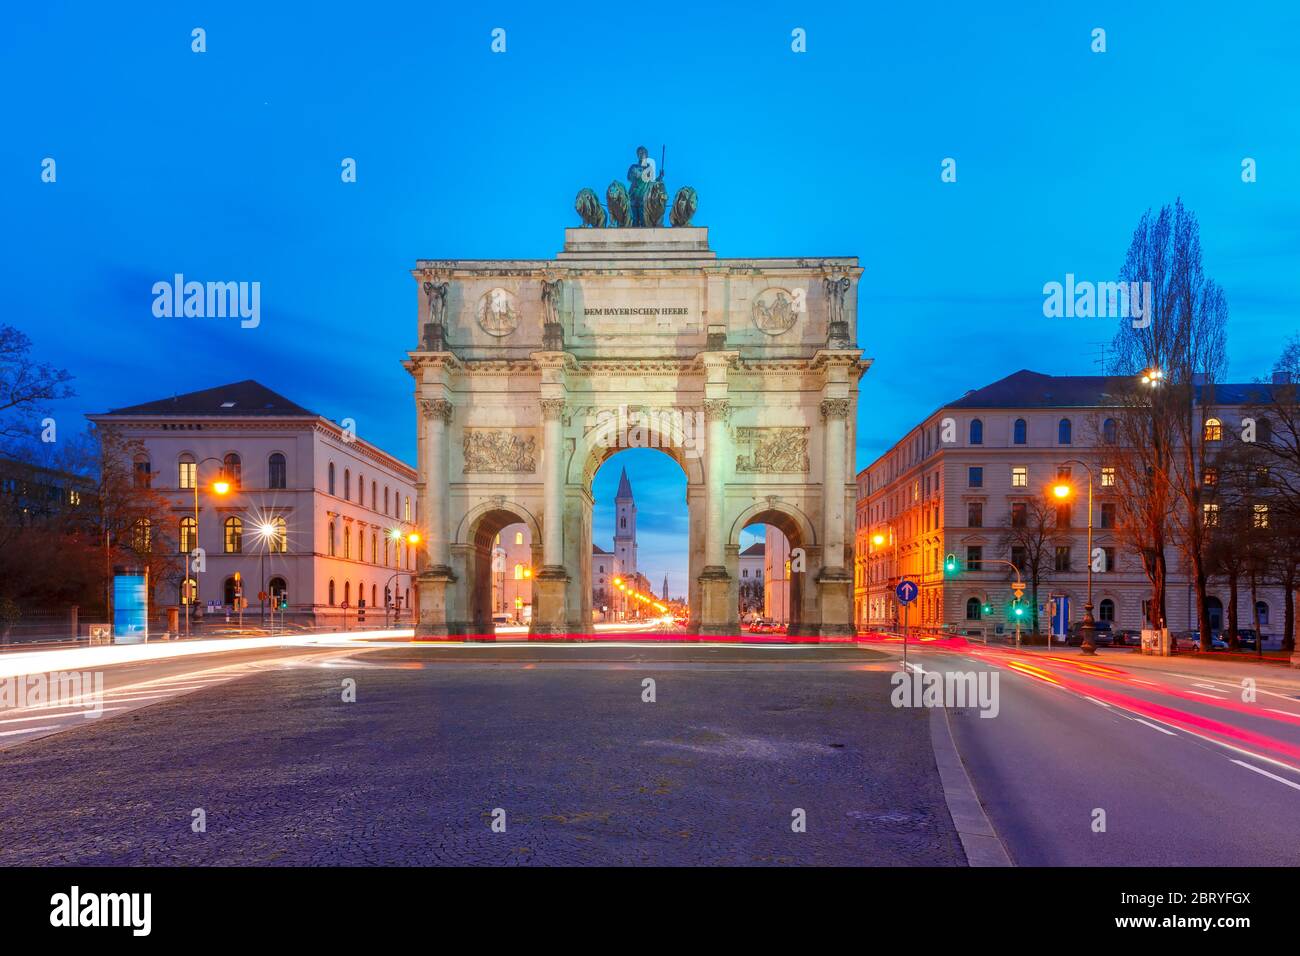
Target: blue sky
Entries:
(225, 165)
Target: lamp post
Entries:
(267, 532)
(219, 487)
(1088, 628)
(397, 535)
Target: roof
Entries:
(754, 550)
(624, 486)
(236, 400)
(597, 549)
(1028, 389)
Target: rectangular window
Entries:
(1211, 513)
(1063, 516)
(1019, 476)
(1019, 514)
(1108, 477)
(188, 475)
(1107, 514)
(1261, 516)
(975, 514)
(1063, 558)
(975, 476)
(1019, 557)
(974, 557)
(1110, 559)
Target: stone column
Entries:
(435, 575)
(835, 583)
(717, 612)
(550, 581)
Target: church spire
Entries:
(624, 488)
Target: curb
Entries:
(978, 838)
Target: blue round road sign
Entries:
(906, 591)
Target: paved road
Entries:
(438, 739)
(1185, 771)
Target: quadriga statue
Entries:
(590, 209)
(683, 207)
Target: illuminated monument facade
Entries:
(530, 373)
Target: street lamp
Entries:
(268, 533)
(1062, 490)
(219, 487)
(1152, 377)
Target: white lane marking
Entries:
(1096, 701)
(1221, 690)
(1289, 713)
(1163, 730)
(1272, 776)
(29, 730)
(1149, 683)
(1201, 693)
(118, 700)
(19, 720)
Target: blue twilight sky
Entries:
(225, 165)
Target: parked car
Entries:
(1102, 634)
(1192, 640)
(1247, 638)
(1128, 638)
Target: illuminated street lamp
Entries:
(268, 533)
(1062, 490)
(1153, 377)
(219, 487)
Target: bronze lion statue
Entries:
(683, 207)
(590, 209)
(656, 201)
(620, 204)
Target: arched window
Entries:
(331, 592)
(519, 572)
(386, 544)
(361, 543)
(234, 535)
(142, 535)
(408, 507)
(519, 537)
(186, 472)
(1261, 609)
(973, 609)
(277, 587)
(1106, 611)
(347, 592)
(976, 432)
(142, 471)
(347, 542)
(347, 484)
(1213, 429)
(374, 496)
(1021, 432)
(228, 593)
(188, 537)
(374, 547)
(331, 479)
(189, 591)
(276, 472)
(333, 540)
(1064, 432)
(1109, 431)
(361, 489)
(232, 470)
(374, 594)
(385, 499)
(278, 542)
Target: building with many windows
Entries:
(292, 502)
(963, 478)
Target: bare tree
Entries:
(25, 389)
(1030, 538)
(1182, 334)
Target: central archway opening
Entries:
(486, 563)
(772, 560)
(638, 543)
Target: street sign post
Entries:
(906, 593)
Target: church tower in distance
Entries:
(625, 527)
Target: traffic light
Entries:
(361, 609)
(950, 564)
(1017, 609)
(987, 608)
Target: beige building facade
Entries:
(928, 498)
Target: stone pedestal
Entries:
(835, 596)
(431, 593)
(718, 615)
(549, 616)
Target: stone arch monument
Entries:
(530, 373)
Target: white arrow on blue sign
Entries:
(906, 591)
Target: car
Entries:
(1247, 638)
(1193, 641)
(1128, 638)
(1102, 634)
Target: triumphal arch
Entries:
(529, 373)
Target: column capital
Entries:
(431, 408)
(553, 409)
(835, 408)
(716, 409)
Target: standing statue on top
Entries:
(642, 203)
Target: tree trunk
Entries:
(1254, 613)
(1231, 626)
(1202, 606)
